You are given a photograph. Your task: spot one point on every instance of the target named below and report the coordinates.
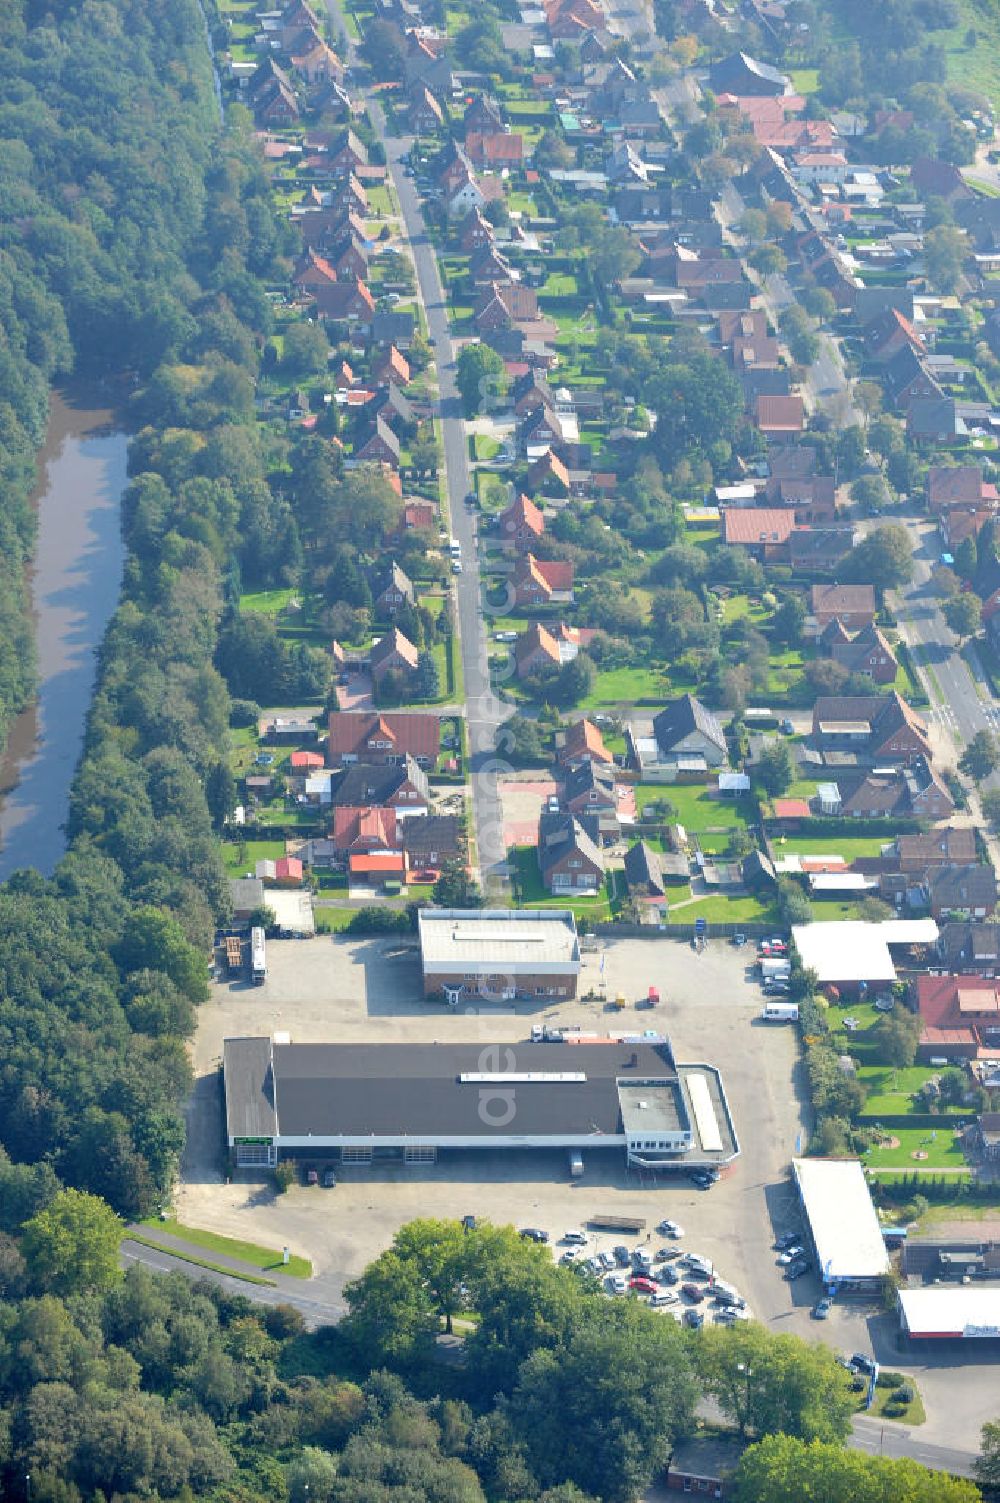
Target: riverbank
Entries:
(74, 580)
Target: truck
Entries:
(775, 969)
(258, 959)
(234, 953)
(454, 547)
(780, 1012)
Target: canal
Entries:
(75, 581)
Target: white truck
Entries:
(780, 1012)
(258, 961)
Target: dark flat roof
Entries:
(395, 1090)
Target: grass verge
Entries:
(265, 1258)
(233, 1273)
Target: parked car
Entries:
(694, 1292)
(534, 1234)
(670, 1229)
(821, 1309)
(622, 1256)
(797, 1269)
(789, 1254)
(702, 1178)
(329, 1179)
(786, 728)
(662, 1297)
(312, 1177)
(617, 1283)
(884, 1004)
(642, 1285)
(667, 1254)
(861, 1363)
(575, 1238)
(787, 1240)
(739, 940)
(667, 1275)
(694, 1318)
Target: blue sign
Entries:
(700, 925)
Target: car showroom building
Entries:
(359, 1103)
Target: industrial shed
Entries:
(965, 1313)
(844, 1229)
(498, 953)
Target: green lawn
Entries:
(626, 686)
(333, 920)
(943, 1150)
(915, 1414)
(239, 858)
(848, 846)
(893, 1092)
(723, 910)
(265, 1258)
(268, 602)
(805, 80)
(531, 893)
(696, 807)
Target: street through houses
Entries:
(484, 711)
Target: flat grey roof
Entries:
(498, 937)
(651, 1106)
(403, 1090)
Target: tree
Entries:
(71, 1246)
(454, 888)
(883, 558)
(753, 224)
(987, 1465)
(520, 739)
(604, 1410)
(990, 802)
(945, 583)
(794, 903)
(153, 940)
(819, 302)
(871, 493)
(780, 1468)
(574, 681)
(770, 260)
(440, 1251)
(945, 250)
(964, 614)
(383, 51)
(553, 151)
(788, 621)
(981, 756)
(391, 1316)
(220, 793)
(898, 1034)
(775, 769)
(770, 1384)
(306, 350)
(481, 378)
(427, 679)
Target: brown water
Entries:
(75, 581)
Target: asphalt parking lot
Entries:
(344, 990)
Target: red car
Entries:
(694, 1292)
(644, 1286)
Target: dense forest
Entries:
(135, 236)
(133, 1386)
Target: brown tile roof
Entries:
(842, 600)
(350, 730)
(753, 525)
(780, 414)
(583, 739)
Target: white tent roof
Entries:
(856, 951)
(965, 1310)
(842, 1220)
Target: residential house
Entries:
(430, 842)
(779, 418)
(958, 485)
(495, 149)
(347, 301)
(582, 742)
(762, 531)
(482, 113)
(968, 891)
(913, 854)
(402, 786)
(349, 258)
(982, 1137)
(474, 232)
(488, 264)
(396, 410)
(914, 792)
(813, 499)
(363, 829)
(569, 860)
(936, 179)
(390, 367)
(888, 333)
(684, 737)
(819, 550)
(394, 327)
(503, 304)
(467, 194)
(704, 1464)
(590, 788)
(883, 729)
(313, 271)
(741, 74)
(393, 653)
(373, 736)
(935, 420)
(392, 589)
(548, 476)
(852, 605)
(542, 648)
(348, 153)
(379, 446)
(530, 392)
(649, 873)
(541, 582)
(521, 525)
(424, 113)
(419, 516)
(906, 380)
(869, 653)
(960, 1017)
(965, 946)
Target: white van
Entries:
(576, 1239)
(780, 1012)
(454, 547)
(662, 1297)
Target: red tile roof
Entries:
(757, 524)
(780, 414)
(351, 730)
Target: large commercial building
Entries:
(968, 1312)
(355, 1103)
(845, 1231)
(498, 953)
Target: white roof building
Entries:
(853, 951)
(962, 1311)
(850, 1248)
(499, 952)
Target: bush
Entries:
(243, 712)
(905, 1394)
(890, 1380)
(284, 1177)
(894, 1411)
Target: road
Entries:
(318, 1301)
(484, 711)
(887, 1438)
